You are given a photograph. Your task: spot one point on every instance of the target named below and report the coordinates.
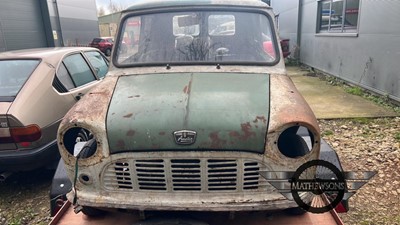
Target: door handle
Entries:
(79, 96)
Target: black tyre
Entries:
(108, 52)
(294, 211)
(92, 212)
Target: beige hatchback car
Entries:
(37, 88)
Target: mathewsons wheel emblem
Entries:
(185, 137)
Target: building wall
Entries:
(47, 23)
(108, 24)
(75, 21)
(287, 11)
(20, 25)
(370, 59)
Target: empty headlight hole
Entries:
(295, 141)
(80, 142)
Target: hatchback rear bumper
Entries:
(23, 160)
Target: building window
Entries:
(338, 16)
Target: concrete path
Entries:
(332, 102)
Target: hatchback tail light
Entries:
(28, 133)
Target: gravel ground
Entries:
(369, 145)
(24, 198)
(362, 144)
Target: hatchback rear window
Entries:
(13, 75)
(97, 40)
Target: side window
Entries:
(339, 16)
(98, 62)
(78, 69)
(64, 78)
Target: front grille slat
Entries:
(187, 175)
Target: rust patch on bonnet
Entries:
(245, 134)
(186, 89)
(246, 129)
(216, 142)
(260, 118)
(162, 133)
(234, 134)
(130, 133)
(121, 144)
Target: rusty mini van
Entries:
(187, 117)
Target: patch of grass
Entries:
(354, 90)
(22, 217)
(365, 222)
(292, 62)
(334, 81)
(327, 133)
(362, 120)
(397, 138)
(382, 100)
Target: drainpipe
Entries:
(58, 22)
(299, 22)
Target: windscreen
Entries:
(209, 37)
(13, 75)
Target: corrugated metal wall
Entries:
(371, 59)
(78, 21)
(21, 25)
(47, 23)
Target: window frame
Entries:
(342, 31)
(87, 59)
(191, 8)
(64, 89)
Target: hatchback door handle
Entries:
(79, 96)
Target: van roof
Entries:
(148, 4)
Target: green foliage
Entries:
(397, 137)
(382, 100)
(362, 120)
(292, 62)
(354, 90)
(327, 133)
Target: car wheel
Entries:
(294, 211)
(108, 52)
(92, 212)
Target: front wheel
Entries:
(92, 212)
(294, 211)
(108, 52)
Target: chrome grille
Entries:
(186, 174)
(150, 174)
(119, 176)
(191, 175)
(222, 175)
